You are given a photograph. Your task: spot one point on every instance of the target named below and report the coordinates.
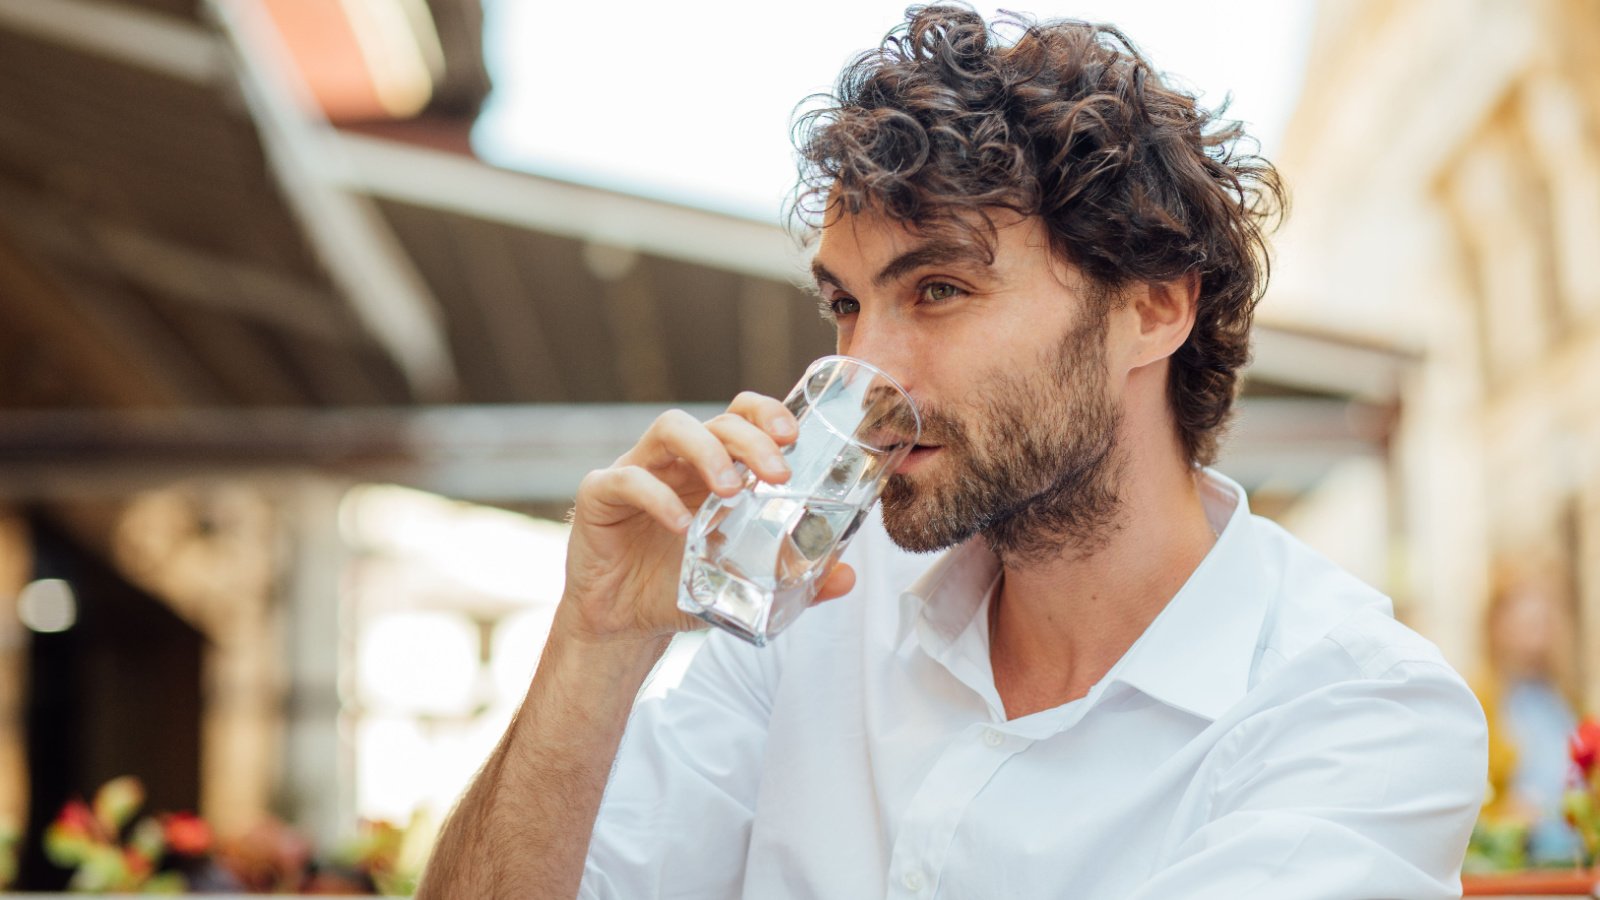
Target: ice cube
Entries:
(813, 535)
(846, 471)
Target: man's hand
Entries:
(522, 829)
(628, 526)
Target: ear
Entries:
(1165, 312)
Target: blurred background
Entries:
(313, 313)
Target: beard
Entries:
(1033, 468)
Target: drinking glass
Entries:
(754, 561)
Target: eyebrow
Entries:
(931, 253)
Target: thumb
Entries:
(840, 581)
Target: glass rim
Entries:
(835, 358)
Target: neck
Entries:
(1064, 620)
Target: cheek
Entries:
(968, 370)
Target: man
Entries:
(1117, 683)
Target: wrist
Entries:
(574, 638)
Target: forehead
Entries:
(870, 243)
(871, 226)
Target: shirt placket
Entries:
(928, 827)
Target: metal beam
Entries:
(1328, 362)
(363, 259)
(1291, 443)
(362, 256)
(486, 453)
(467, 186)
(506, 454)
(125, 33)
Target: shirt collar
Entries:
(943, 602)
(1196, 656)
(1199, 652)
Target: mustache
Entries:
(895, 424)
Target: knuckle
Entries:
(718, 433)
(726, 422)
(632, 475)
(601, 481)
(670, 418)
(763, 405)
(592, 481)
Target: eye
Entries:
(844, 306)
(938, 292)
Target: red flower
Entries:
(187, 834)
(77, 820)
(138, 867)
(73, 835)
(1585, 744)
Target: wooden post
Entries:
(16, 567)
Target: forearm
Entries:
(522, 829)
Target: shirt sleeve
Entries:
(1359, 790)
(675, 818)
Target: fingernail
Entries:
(729, 479)
(683, 521)
(776, 462)
(780, 425)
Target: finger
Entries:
(608, 496)
(751, 446)
(840, 581)
(767, 413)
(677, 435)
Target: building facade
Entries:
(1445, 162)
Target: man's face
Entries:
(1007, 362)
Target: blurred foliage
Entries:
(1500, 839)
(106, 849)
(1497, 845)
(1582, 801)
(110, 849)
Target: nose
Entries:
(882, 341)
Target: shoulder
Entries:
(1334, 670)
(1316, 607)
(1332, 661)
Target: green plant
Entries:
(106, 849)
(1497, 845)
(110, 849)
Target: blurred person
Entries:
(1115, 682)
(1526, 687)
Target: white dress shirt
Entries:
(1273, 734)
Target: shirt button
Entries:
(993, 738)
(912, 880)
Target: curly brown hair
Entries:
(947, 122)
